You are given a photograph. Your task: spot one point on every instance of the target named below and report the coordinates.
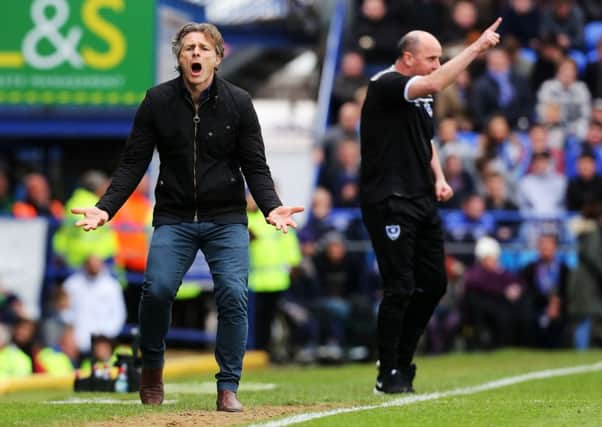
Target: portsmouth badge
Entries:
(428, 108)
(393, 231)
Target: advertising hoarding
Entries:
(76, 52)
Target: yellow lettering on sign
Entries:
(113, 37)
(11, 60)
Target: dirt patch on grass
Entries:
(209, 418)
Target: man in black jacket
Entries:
(207, 135)
(501, 90)
(546, 280)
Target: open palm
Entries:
(93, 218)
(282, 217)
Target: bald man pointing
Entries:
(401, 182)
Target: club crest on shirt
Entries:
(393, 231)
(428, 108)
(425, 103)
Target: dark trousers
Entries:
(407, 238)
(266, 305)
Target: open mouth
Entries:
(196, 67)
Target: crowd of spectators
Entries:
(520, 139)
(82, 302)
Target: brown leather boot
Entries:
(151, 386)
(227, 401)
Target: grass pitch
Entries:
(568, 400)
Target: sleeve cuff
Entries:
(407, 88)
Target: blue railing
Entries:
(516, 252)
(331, 58)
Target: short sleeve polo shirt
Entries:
(396, 134)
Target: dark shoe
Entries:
(227, 401)
(396, 380)
(151, 386)
(408, 373)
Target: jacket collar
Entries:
(211, 93)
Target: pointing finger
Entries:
(495, 25)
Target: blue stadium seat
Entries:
(580, 59)
(592, 32)
(528, 54)
(469, 137)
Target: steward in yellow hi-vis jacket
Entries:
(14, 363)
(272, 255)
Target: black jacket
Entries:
(203, 155)
(539, 300)
(485, 96)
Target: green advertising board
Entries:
(76, 52)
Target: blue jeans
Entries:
(172, 251)
(583, 334)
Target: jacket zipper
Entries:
(196, 121)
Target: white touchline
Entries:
(408, 400)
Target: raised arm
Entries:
(448, 72)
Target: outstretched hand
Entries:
(281, 217)
(93, 218)
(490, 37)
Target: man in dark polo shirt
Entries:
(401, 182)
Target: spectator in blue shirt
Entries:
(468, 225)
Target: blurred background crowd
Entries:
(520, 140)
